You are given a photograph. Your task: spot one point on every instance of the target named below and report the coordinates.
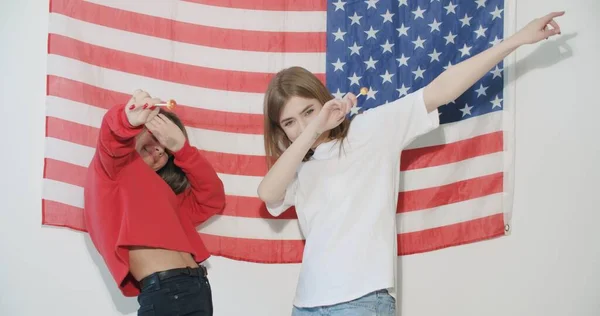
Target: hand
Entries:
(538, 30)
(333, 113)
(166, 132)
(140, 108)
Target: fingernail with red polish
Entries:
(153, 107)
(145, 106)
(131, 107)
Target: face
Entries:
(297, 114)
(151, 151)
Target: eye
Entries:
(288, 123)
(307, 113)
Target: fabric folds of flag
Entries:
(215, 57)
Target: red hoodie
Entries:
(129, 204)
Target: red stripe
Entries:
(451, 235)
(255, 250)
(263, 41)
(268, 5)
(252, 207)
(190, 116)
(451, 193)
(290, 251)
(62, 215)
(64, 172)
(453, 152)
(159, 69)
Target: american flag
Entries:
(216, 57)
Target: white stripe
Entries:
(449, 173)
(235, 60)
(228, 18)
(209, 140)
(219, 100)
(285, 229)
(65, 151)
(241, 185)
(62, 192)
(449, 214)
(456, 131)
(257, 228)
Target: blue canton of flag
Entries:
(395, 47)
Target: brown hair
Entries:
(171, 173)
(288, 83)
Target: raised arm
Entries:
(206, 195)
(457, 79)
(120, 125)
(273, 187)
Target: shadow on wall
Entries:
(124, 305)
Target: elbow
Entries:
(266, 195)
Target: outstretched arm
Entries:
(457, 79)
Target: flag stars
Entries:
(403, 2)
(450, 8)
(403, 90)
(355, 19)
(466, 110)
(387, 47)
(339, 5)
(338, 94)
(339, 35)
(419, 73)
(496, 13)
(497, 72)
(480, 32)
(435, 26)
(403, 60)
(371, 33)
(418, 13)
(419, 42)
(354, 80)
(435, 56)
(496, 41)
(448, 66)
(372, 4)
(387, 77)
(371, 93)
(481, 90)
(480, 3)
(338, 65)
(497, 102)
(466, 21)
(387, 17)
(465, 51)
(355, 49)
(450, 38)
(403, 30)
(371, 63)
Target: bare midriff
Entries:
(145, 261)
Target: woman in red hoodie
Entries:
(146, 191)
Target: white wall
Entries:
(550, 265)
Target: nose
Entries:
(158, 152)
(302, 125)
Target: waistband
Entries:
(157, 277)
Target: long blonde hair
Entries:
(288, 83)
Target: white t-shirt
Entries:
(346, 204)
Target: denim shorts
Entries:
(378, 303)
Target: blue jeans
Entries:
(378, 303)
